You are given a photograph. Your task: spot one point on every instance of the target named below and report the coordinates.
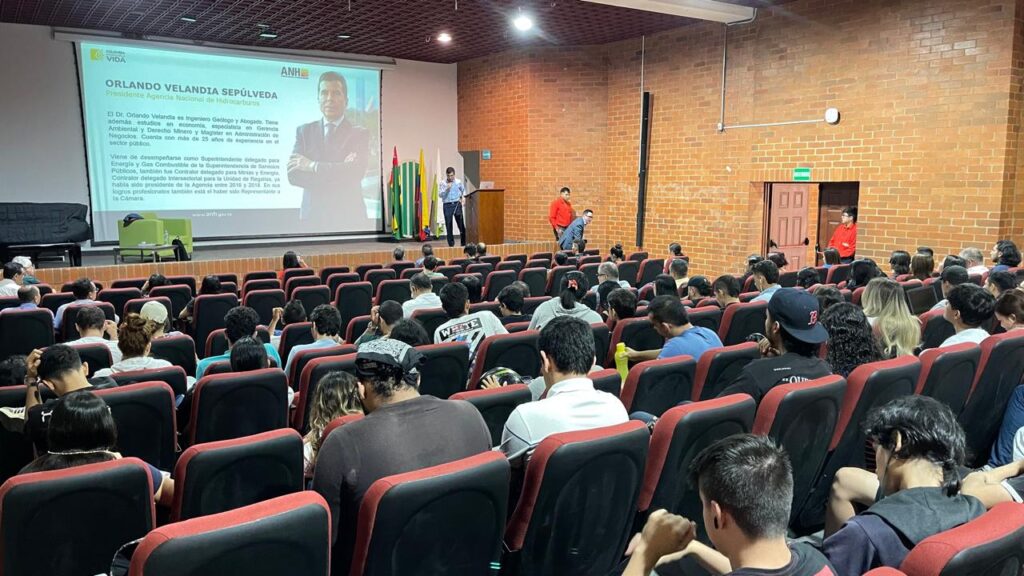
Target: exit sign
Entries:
(801, 174)
(486, 154)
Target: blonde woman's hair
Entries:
(337, 394)
(897, 330)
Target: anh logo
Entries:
(294, 72)
(95, 54)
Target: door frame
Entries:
(813, 194)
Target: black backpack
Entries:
(180, 253)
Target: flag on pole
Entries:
(435, 227)
(423, 208)
(393, 194)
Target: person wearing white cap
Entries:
(156, 313)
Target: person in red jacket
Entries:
(560, 213)
(844, 239)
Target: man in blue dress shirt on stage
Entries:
(452, 192)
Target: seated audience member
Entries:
(568, 303)
(999, 282)
(749, 271)
(469, 251)
(922, 266)
(481, 250)
(463, 326)
(806, 278)
(675, 252)
(608, 272)
(382, 318)
(60, 369)
(1010, 310)
(671, 321)
(209, 285)
(1005, 255)
(828, 296)
(1009, 444)
(293, 312)
(997, 485)
(560, 259)
(951, 277)
(570, 402)
(14, 277)
(579, 247)
(29, 269)
(926, 251)
(952, 260)
(746, 488)
(402, 432)
(621, 305)
(899, 261)
(974, 261)
(85, 293)
(13, 370)
(665, 285)
(29, 297)
(326, 327)
(851, 342)
(861, 272)
(697, 289)
(789, 349)
(523, 287)
(409, 331)
(336, 395)
(898, 331)
(831, 257)
(970, 309)
(422, 293)
(616, 254)
(398, 254)
(919, 447)
(766, 279)
(154, 281)
(156, 313)
(727, 290)
(82, 431)
(425, 250)
(474, 287)
(780, 260)
(239, 322)
(134, 338)
(289, 261)
(248, 354)
(679, 269)
(93, 325)
(510, 305)
(430, 264)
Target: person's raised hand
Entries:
(490, 382)
(276, 314)
(664, 534)
(375, 316)
(110, 327)
(32, 365)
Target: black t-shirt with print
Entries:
(760, 376)
(37, 418)
(806, 561)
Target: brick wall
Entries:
(930, 92)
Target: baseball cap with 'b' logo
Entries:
(796, 311)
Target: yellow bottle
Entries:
(622, 360)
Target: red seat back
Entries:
(495, 405)
(650, 268)
(948, 372)
(991, 544)
(742, 320)
(264, 302)
(717, 367)
(514, 351)
(445, 369)
(226, 406)
(1000, 371)
(636, 333)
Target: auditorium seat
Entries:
(146, 427)
(517, 327)
(127, 283)
(118, 297)
(1000, 370)
(264, 302)
(934, 329)
(217, 341)
(838, 273)
(461, 263)
(516, 258)
(654, 386)
(356, 327)
(293, 273)
(646, 292)
(8, 302)
(15, 448)
(309, 380)
(709, 317)
(788, 279)
(446, 519)
(513, 265)
(296, 282)
(495, 282)
(802, 418)
(227, 277)
(219, 367)
(400, 266)
(588, 259)
(679, 435)
(718, 367)
(312, 296)
(449, 271)
(353, 300)
(589, 271)
(96, 355)
(990, 544)
(285, 535)
(947, 373)
(55, 300)
(375, 277)
(635, 333)
(493, 260)
(536, 279)
(445, 369)
(294, 335)
(67, 286)
(430, 318)
(334, 281)
(226, 406)
(742, 320)
(259, 275)
(261, 284)
(513, 351)
(492, 307)
(219, 476)
(229, 288)
(328, 271)
(173, 376)
(362, 269)
(481, 268)
(748, 285)
(868, 386)
(394, 290)
(303, 357)
(637, 256)
(135, 305)
(857, 294)
(629, 271)
(71, 522)
(22, 331)
(68, 328)
(178, 294)
(602, 339)
(542, 256)
(607, 380)
(408, 273)
(495, 405)
(338, 423)
(544, 263)
(578, 501)
(650, 268)
(530, 304)
(209, 313)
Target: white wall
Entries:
(42, 151)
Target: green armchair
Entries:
(180, 228)
(155, 230)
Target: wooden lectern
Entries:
(485, 216)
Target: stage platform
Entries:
(240, 259)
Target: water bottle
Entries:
(167, 237)
(622, 360)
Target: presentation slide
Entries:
(244, 146)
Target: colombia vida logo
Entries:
(294, 72)
(98, 55)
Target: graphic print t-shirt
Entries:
(471, 329)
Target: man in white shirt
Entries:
(970, 308)
(951, 277)
(92, 324)
(423, 296)
(463, 326)
(14, 275)
(570, 401)
(975, 260)
(85, 293)
(766, 278)
(326, 328)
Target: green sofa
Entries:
(155, 230)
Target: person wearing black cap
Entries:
(790, 346)
(402, 432)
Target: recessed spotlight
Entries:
(344, 36)
(187, 19)
(267, 34)
(444, 37)
(263, 25)
(523, 23)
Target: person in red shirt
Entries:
(844, 239)
(560, 213)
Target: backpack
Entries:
(180, 253)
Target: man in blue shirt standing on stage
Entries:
(575, 230)
(451, 192)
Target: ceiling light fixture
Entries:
(444, 37)
(523, 23)
(189, 19)
(344, 36)
(263, 25)
(267, 34)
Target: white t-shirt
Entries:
(471, 329)
(424, 301)
(975, 335)
(115, 352)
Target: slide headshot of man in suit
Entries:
(330, 155)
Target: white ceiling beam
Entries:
(699, 9)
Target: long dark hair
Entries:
(850, 340)
(290, 260)
(900, 262)
(572, 289)
(81, 431)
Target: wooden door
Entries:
(787, 222)
(834, 197)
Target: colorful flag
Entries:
(435, 227)
(423, 198)
(392, 194)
